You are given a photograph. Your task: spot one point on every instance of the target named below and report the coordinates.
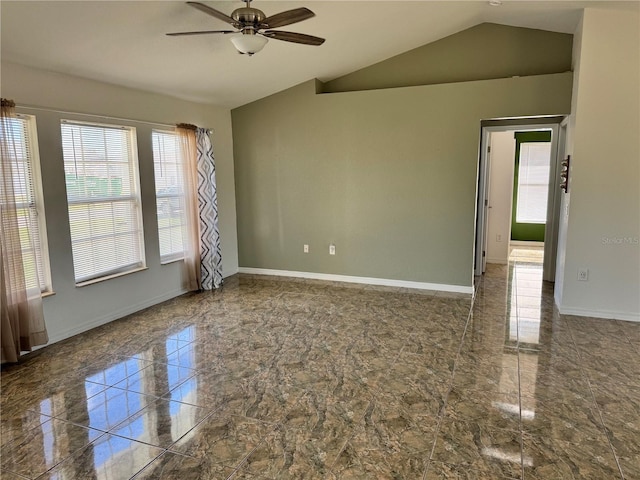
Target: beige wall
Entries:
(482, 52)
(502, 161)
(72, 310)
(601, 224)
(389, 176)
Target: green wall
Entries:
(388, 176)
(482, 52)
(527, 232)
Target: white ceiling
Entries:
(124, 42)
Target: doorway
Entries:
(516, 207)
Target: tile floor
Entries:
(275, 379)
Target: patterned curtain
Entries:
(210, 252)
(203, 257)
(21, 314)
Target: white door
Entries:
(485, 239)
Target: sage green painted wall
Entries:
(389, 176)
(525, 232)
(482, 52)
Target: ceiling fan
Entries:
(254, 28)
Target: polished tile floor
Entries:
(274, 379)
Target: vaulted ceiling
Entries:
(124, 42)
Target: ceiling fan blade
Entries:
(213, 12)
(294, 37)
(287, 18)
(204, 32)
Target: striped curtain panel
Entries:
(210, 251)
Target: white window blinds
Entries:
(103, 195)
(533, 182)
(29, 204)
(170, 201)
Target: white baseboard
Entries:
(440, 287)
(499, 261)
(603, 314)
(228, 274)
(523, 243)
(113, 315)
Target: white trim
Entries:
(113, 315)
(523, 243)
(230, 273)
(33, 159)
(440, 287)
(601, 314)
(499, 261)
(104, 278)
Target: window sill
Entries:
(171, 260)
(50, 293)
(109, 277)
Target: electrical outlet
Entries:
(583, 274)
(305, 248)
(498, 238)
(332, 249)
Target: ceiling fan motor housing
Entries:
(248, 17)
(254, 28)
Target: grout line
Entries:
(443, 410)
(276, 426)
(514, 286)
(137, 474)
(634, 347)
(593, 398)
(18, 475)
(240, 464)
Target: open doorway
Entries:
(518, 188)
(518, 193)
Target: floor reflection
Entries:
(526, 272)
(124, 398)
(275, 378)
(518, 360)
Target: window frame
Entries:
(522, 202)
(31, 130)
(180, 197)
(135, 197)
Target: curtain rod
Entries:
(209, 130)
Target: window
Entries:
(533, 182)
(29, 204)
(100, 167)
(170, 201)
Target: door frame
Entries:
(553, 198)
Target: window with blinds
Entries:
(103, 196)
(27, 191)
(170, 200)
(533, 182)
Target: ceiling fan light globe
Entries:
(248, 44)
